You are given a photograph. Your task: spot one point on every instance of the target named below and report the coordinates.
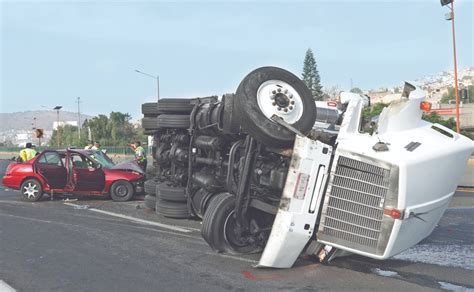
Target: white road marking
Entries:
(4, 287)
(232, 257)
(133, 219)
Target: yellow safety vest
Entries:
(27, 154)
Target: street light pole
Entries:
(456, 91)
(157, 77)
(58, 133)
(450, 16)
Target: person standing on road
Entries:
(140, 155)
(28, 153)
(96, 146)
(89, 145)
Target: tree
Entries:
(311, 77)
(357, 90)
(332, 92)
(450, 95)
(115, 130)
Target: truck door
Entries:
(87, 174)
(51, 168)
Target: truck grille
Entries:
(353, 210)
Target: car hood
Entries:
(129, 165)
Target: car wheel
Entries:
(219, 227)
(168, 192)
(149, 202)
(173, 121)
(150, 109)
(121, 191)
(174, 106)
(150, 187)
(31, 190)
(172, 209)
(269, 91)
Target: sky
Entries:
(52, 52)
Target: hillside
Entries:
(20, 121)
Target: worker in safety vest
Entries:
(140, 155)
(28, 153)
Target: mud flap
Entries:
(300, 203)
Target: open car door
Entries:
(87, 175)
(51, 168)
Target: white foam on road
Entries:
(4, 287)
(133, 219)
(450, 255)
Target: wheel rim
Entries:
(31, 191)
(121, 191)
(230, 235)
(276, 97)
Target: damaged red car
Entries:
(75, 171)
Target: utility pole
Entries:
(79, 117)
(450, 16)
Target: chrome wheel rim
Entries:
(276, 97)
(31, 191)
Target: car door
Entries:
(88, 176)
(51, 168)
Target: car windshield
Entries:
(102, 158)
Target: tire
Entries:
(216, 223)
(121, 191)
(149, 202)
(32, 190)
(174, 106)
(150, 132)
(274, 88)
(150, 109)
(150, 123)
(172, 209)
(173, 121)
(150, 187)
(168, 192)
(200, 201)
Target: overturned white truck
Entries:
(264, 178)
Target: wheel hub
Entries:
(276, 97)
(30, 190)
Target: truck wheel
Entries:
(175, 106)
(219, 227)
(150, 187)
(172, 209)
(32, 190)
(150, 109)
(269, 91)
(149, 202)
(150, 123)
(121, 191)
(168, 192)
(173, 121)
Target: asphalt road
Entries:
(53, 246)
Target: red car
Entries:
(81, 172)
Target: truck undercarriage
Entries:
(261, 177)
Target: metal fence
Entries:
(110, 149)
